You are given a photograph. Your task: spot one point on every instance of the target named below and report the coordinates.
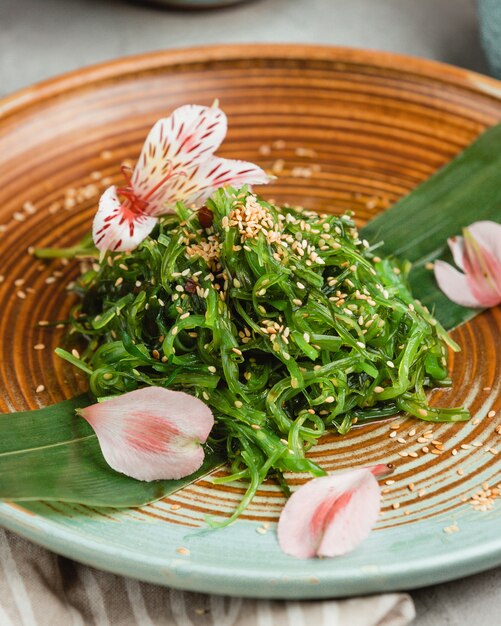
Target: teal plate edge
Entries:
(389, 560)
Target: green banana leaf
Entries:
(466, 190)
(51, 454)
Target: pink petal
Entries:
(483, 270)
(152, 433)
(456, 245)
(116, 226)
(330, 516)
(488, 234)
(216, 172)
(176, 144)
(455, 285)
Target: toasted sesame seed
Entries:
(40, 388)
(491, 413)
(390, 364)
(212, 369)
(423, 412)
(403, 453)
(401, 440)
(174, 331)
(396, 505)
(119, 281)
(255, 426)
(183, 551)
(412, 432)
(379, 389)
(21, 295)
(425, 449)
(393, 434)
(329, 399)
(39, 346)
(300, 285)
(389, 482)
(465, 446)
(237, 351)
(75, 353)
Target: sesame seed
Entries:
(393, 434)
(184, 315)
(396, 505)
(300, 285)
(238, 404)
(389, 482)
(119, 281)
(412, 432)
(390, 364)
(155, 354)
(491, 413)
(237, 351)
(465, 446)
(212, 369)
(425, 449)
(179, 288)
(183, 551)
(379, 390)
(423, 412)
(39, 346)
(175, 507)
(40, 388)
(403, 453)
(255, 426)
(75, 353)
(329, 399)
(21, 295)
(174, 331)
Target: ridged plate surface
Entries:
(343, 129)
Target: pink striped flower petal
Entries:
(455, 285)
(174, 146)
(151, 433)
(478, 254)
(456, 245)
(116, 226)
(331, 515)
(210, 175)
(483, 271)
(488, 235)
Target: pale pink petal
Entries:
(456, 245)
(488, 234)
(175, 145)
(381, 469)
(205, 178)
(116, 226)
(331, 515)
(151, 433)
(483, 271)
(455, 285)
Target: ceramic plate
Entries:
(343, 129)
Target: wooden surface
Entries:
(342, 129)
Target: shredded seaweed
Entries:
(283, 321)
